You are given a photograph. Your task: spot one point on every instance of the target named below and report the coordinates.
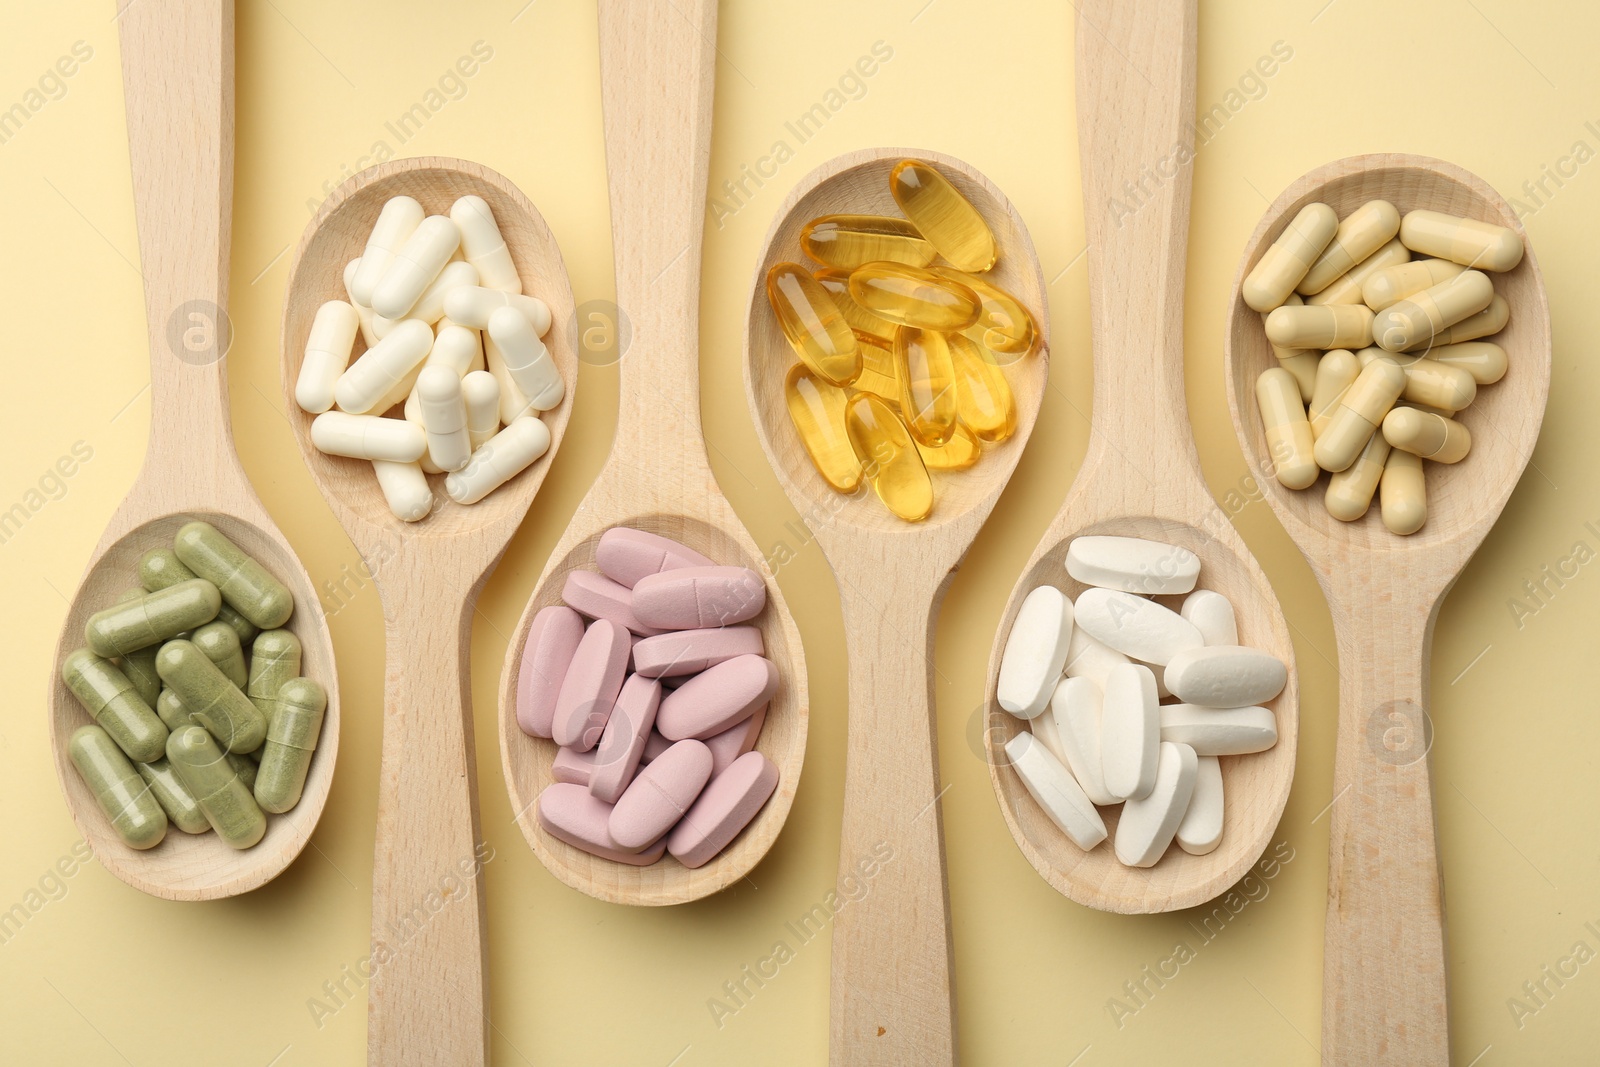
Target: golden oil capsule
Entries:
(889, 457)
(1347, 288)
(1360, 234)
(926, 373)
(1350, 490)
(817, 411)
(946, 218)
(877, 368)
(813, 324)
(848, 241)
(1484, 360)
(1289, 441)
(957, 454)
(1490, 320)
(983, 398)
(1336, 373)
(1428, 434)
(911, 296)
(1393, 284)
(836, 282)
(1403, 492)
(1004, 325)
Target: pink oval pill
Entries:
(600, 598)
(718, 698)
(572, 766)
(625, 555)
(659, 796)
(735, 741)
(553, 638)
(698, 597)
(616, 758)
(589, 691)
(724, 807)
(691, 651)
(568, 813)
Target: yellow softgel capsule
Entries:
(1350, 490)
(942, 215)
(1427, 434)
(1393, 284)
(1437, 385)
(1421, 317)
(1356, 416)
(1321, 326)
(926, 373)
(1484, 360)
(817, 411)
(889, 457)
(1289, 440)
(813, 324)
(1403, 492)
(836, 282)
(911, 296)
(877, 368)
(1283, 265)
(983, 397)
(957, 454)
(1004, 325)
(1336, 373)
(1347, 288)
(1361, 233)
(1490, 320)
(1479, 245)
(848, 241)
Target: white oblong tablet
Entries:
(1219, 731)
(1036, 650)
(1134, 626)
(1088, 658)
(1075, 713)
(1132, 564)
(1212, 615)
(1130, 732)
(1055, 790)
(1200, 831)
(1044, 727)
(1147, 825)
(1226, 676)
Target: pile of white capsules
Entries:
(1131, 702)
(1384, 348)
(423, 289)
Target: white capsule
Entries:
(381, 369)
(405, 487)
(333, 335)
(1146, 826)
(1088, 658)
(481, 393)
(526, 359)
(1054, 789)
(413, 415)
(484, 246)
(1074, 713)
(339, 433)
(396, 223)
(1036, 650)
(430, 305)
(1132, 564)
(1219, 731)
(399, 391)
(1212, 615)
(506, 454)
(1129, 731)
(444, 418)
(1226, 676)
(455, 348)
(1200, 832)
(513, 405)
(471, 305)
(1134, 626)
(363, 312)
(415, 265)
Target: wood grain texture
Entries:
(656, 62)
(1384, 982)
(177, 60)
(892, 998)
(1141, 476)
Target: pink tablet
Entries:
(718, 698)
(616, 758)
(625, 555)
(568, 813)
(589, 691)
(725, 807)
(659, 795)
(600, 598)
(698, 597)
(681, 652)
(553, 638)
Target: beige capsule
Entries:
(1350, 490)
(1357, 417)
(1336, 373)
(1284, 264)
(1289, 440)
(1490, 320)
(1347, 288)
(1322, 326)
(1300, 362)
(1427, 434)
(1479, 245)
(1363, 231)
(1435, 385)
(1422, 317)
(1403, 492)
(1393, 284)
(1484, 360)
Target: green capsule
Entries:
(153, 618)
(117, 787)
(228, 805)
(291, 739)
(245, 767)
(274, 659)
(111, 700)
(161, 567)
(172, 712)
(173, 796)
(214, 701)
(221, 646)
(245, 584)
(140, 665)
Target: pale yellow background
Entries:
(106, 975)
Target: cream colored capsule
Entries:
(444, 418)
(457, 274)
(507, 454)
(1479, 245)
(368, 334)
(1303, 366)
(333, 335)
(1434, 385)
(1363, 231)
(1322, 326)
(513, 405)
(415, 265)
(1393, 284)
(1490, 320)
(472, 305)
(1356, 417)
(1336, 373)
(1484, 360)
(481, 394)
(1289, 440)
(483, 244)
(405, 488)
(526, 359)
(1285, 263)
(1427, 434)
(1422, 317)
(368, 437)
(1350, 491)
(398, 220)
(1403, 492)
(381, 370)
(1347, 288)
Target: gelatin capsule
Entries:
(817, 411)
(227, 804)
(1289, 441)
(173, 796)
(1490, 320)
(877, 369)
(1474, 244)
(1356, 417)
(1321, 326)
(1484, 360)
(836, 283)
(274, 660)
(134, 813)
(414, 265)
(1347, 288)
(291, 739)
(152, 618)
(111, 701)
(1303, 366)
(1350, 490)
(1393, 284)
(1336, 373)
(483, 246)
(405, 487)
(1403, 493)
(1285, 262)
(471, 305)
(161, 567)
(368, 437)
(172, 712)
(1361, 233)
(889, 457)
(244, 583)
(957, 454)
(983, 398)
(942, 215)
(1427, 434)
(328, 346)
(398, 220)
(813, 324)
(501, 458)
(210, 698)
(378, 373)
(527, 363)
(444, 417)
(1293, 357)
(1004, 325)
(221, 646)
(1422, 317)
(926, 373)
(848, 241)
(481, 393)
(1428, 382)
(911, 296)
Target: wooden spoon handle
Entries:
(1383, 996)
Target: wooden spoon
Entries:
(1141, 477)
(177, 65)
(426, 1003)
(1384, 968)
(656, 75)
(892, 1000)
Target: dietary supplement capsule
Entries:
(911, 296)
(1336, 373)
(444, 417)
(221, 646)
(1490, 320)
(1321, 326)
(1484, 360)
(414, 265)
(140, 665)
(471, 305)
(877, 368)
(1402, 492)
(399, 218)
(892, 463)
(291, 738)
(1393, 284)
(813, 324)
(152, 618)
(134, 813)
(244, 766)
(926, 373)
(1004, 325)
(1422, 317)
(481, 394)
(848, 241)
(405, 487)
(173, 796)
(483, 246)
(228, 806)
(1289, 440)
(172, 712)
(1364, 231)
(1474, 244)
(113, 703)
(1427, 434)
(1428, 382)
(1347, 288)
(942, 215)
(1356, 417)
(983, 398)
(328, 346)
(379, 371)
(274, 660)
(957, 454)
(210, 697)
(1300, 362)
(527, 361)
(244, 583)
(503, 457)
(161, 567)
(1350, 490)
(817, 411)
(835, 282)
(1285, 263)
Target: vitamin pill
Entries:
(1336, 373)
(1088, 658)
(405, 489)
(1474, 244)
(1303, 366)
(1075, 711)
(1350, 490)
(170, 710)
(244, 583)
(140, 669)
(111, 701)
(660, 796)
(599, 597)
(1225, 677)
(626, 555)
(160, 568)
(1219, 731)
(220, 645)
(735, 741)
(1439, 385)
(481, 394)
(471, 305)
(848, 241)
(1129, 731)
(724, 807)
(622, 742)
(1427, 434)
(505, 455)
(1147, 824)
(483, 245)
(1132, 564)
(590, 686)
(1484, 360)
(878, 375)
(817, 411)
(1212, 615)
(333, 335)
(1421, 317)
(152, 618)
(455, 348)
(912, 296)
(1287, 355)
(942, 215)
(274, 661)
(573, 767)
(1321, 326)
(1283, 265)
(897, 472)
(1403, 492)
(1004, 325)
(1135, 626)
(1289, 440)
(926, 375)
(553, 639)
(414, 265)
(513, 405)
(1347, 288)
(957, 454)
(380, 370)
(1357, 415)
(983, 399)
(526, 359)
(681, 652)
(1055, 791)
(398, 220)
(430, 305)
(1490, 320)
(369, 332)
(291, 739)
(1200, 832)
(836, 283)
(181, 808)
(813, 324)
(1035, 652)
(570, 815)
(1393, 284)
(210, 698)
(717, 698)
(227, 803)
(444, 418)
(1361, 233)
(685, 598)
(119, 790)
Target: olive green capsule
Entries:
(213, 701)
(140, 666)
(221, 646)
(228, 805)
(291, 739)
(173, 796)
(245, 767)
(274, 659)
(245, 584)
(134, 813)
(172, 712)
(153, 618)
(110, 699)
(161, 567)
